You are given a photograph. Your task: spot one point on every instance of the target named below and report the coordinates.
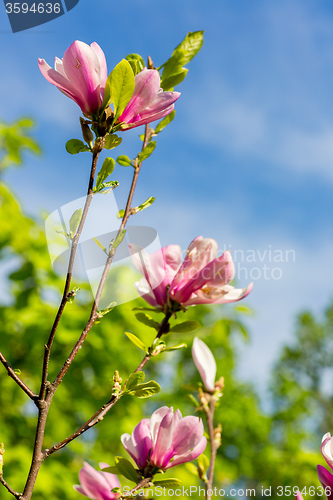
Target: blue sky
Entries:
(248, 160)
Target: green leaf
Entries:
(121, 214)
(119, 239)
(108, 184)
(203, 462)
(136, 62)
(169, 482)
(147, 320)
(100, 245)
(134, 379)
(119, 87)
(106, 170)
(147, 151)
(116, 489)
(126, 469)
(145, 204)
(112, 141)
(146, 390)
(174, 79)
(108, 309)
(136, 341)
(191, 44)
(185, 327)
(124, 161)
(74, 221)
(113, 469)
(75, 146)
(25, 123)
(168, 119)
(241, 308)
(175, 347)
(147, 309)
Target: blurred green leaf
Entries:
(136, 341)
(168, 482)
(186, 326)
(74, 222)
(126, 469)
(145, 390)
(136, 62)
(147, 320)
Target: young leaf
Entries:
(75, 146)
(190, 467)
(175, 347)
(185, 327)
(168, 482)
(168, 119)
(135, 379)
(119, 239)
(124, 161)
(108, 309)
(121, 214)
(147, 320)
(108, 184)
(147, 151)
(106, 170)
(175, 79)
(136, 341)
(126, 469)
(146, 390)
(120, 87)
(136, 62)
(192, 43)
(100, 245)
(203, 463)
(143, 205)
(113, 469)
(74, 221)
(112, 141)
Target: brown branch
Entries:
(8, 488)
(93, 313)
(213, 446)
(100, 414)
(64, 299)
(17, 379)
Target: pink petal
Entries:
(147, 84)
(327, 449)
(129, 445)
(219, 295)
(326, 479)
(199, 253)
(161, 452)
(94, 483)
(205, 363)
(155, 421)
(299, 496)
(61, 82)
(103, 70)
(82, 67)
(142, 442)
(187, 435)
(148, 119)
(191, 455)
(146, 292)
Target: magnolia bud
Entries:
(87, 134)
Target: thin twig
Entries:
(93, 313)
(8, 488)
(100, 414)
(64, 299)
(213, 447)
(17, 379)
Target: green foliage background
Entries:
(273, 448)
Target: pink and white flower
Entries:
(148, 102)
(203, 278)
(165, 440)
(97, 485)
(80, 75)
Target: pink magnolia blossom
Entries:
(202, 278)
(299, 496)
(148, 102)
(97, 485)
(165, 440)
(81, 75)
(205, 362)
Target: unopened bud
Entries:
(217, 435)
(87, 134)
(219, 384)
(150, 63)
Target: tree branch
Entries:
(17, 379)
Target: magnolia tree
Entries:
(134, 94)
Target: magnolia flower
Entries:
(202, 278)
(165, 440)
(205, 362)
(97, 485)
(148, 102)
(81, 75)
(299, 496)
